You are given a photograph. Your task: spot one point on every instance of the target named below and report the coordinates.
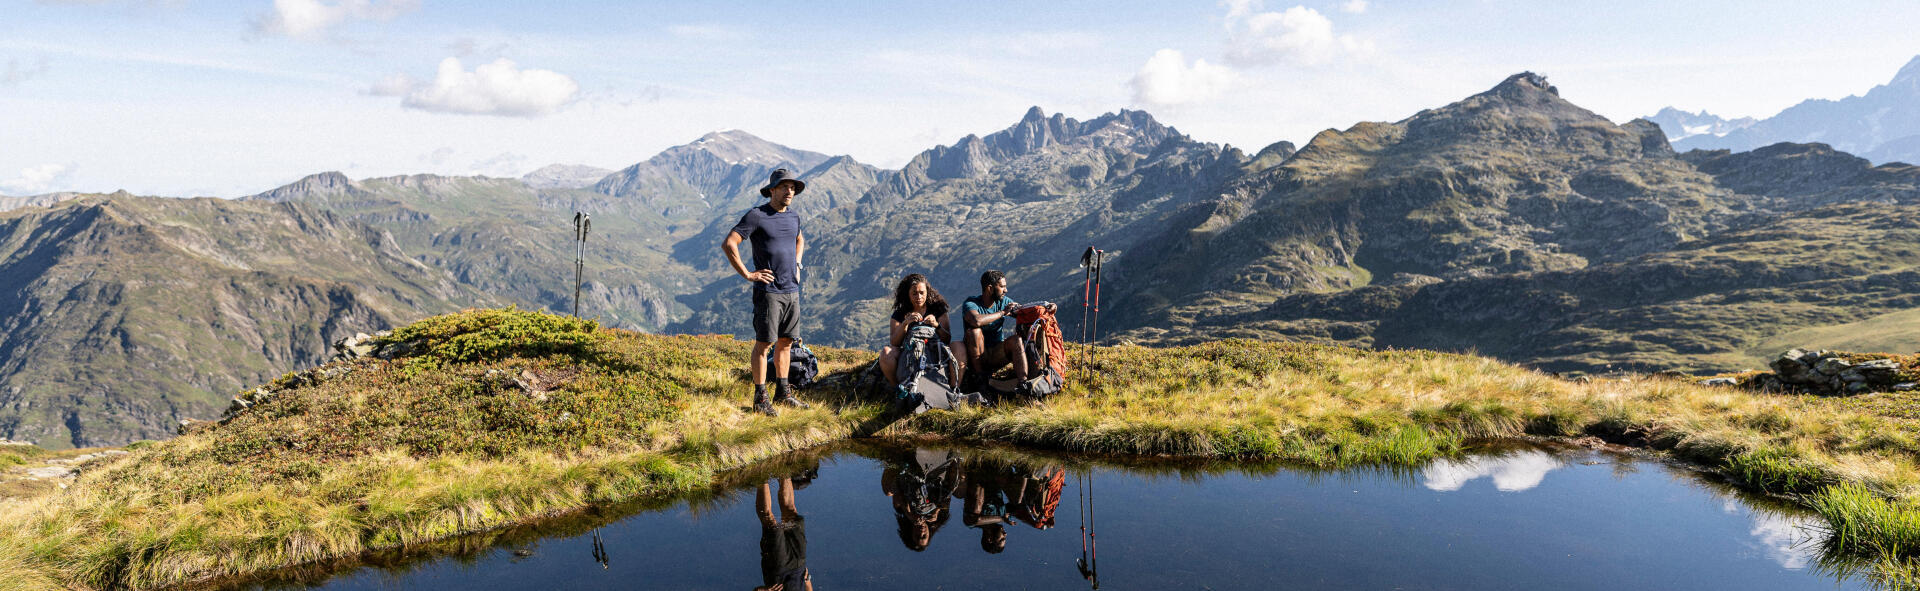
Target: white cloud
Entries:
(309, 19)
(39, 179)
(1167, 80)
(498, 88)
(1298, 35)
(1353, 6)
(1511, 473)
(1790, 542)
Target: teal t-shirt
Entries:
(997, 331)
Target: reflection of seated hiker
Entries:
(986, 509)
(783, 541)
(916, 303)
(1000, 494)
(922, 491)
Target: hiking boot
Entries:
(789, 400)
(766, 408)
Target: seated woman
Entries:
(916, 302)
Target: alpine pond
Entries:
(938, 515)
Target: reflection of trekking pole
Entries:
(1089, 544)
(599, 550)
(581, 224)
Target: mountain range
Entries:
(1512, 222)
(1881, 125)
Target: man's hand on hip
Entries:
(760, 276)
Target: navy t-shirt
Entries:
(776, 241)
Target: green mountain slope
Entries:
(1520, 226)
(121, 315)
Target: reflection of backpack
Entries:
(802, 366)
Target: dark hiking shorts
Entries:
(775, 315)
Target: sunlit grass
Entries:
(408, 452)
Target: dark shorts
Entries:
(783, 553)
(775, 315)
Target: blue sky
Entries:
(185, 97)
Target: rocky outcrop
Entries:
(1829, 373)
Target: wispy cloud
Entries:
(162, 59)
(1353, 6)
(311, 19)
(16, 73)
(39, 179)
(499, 88)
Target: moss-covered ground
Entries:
(443, 441)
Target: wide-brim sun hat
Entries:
(781, 175)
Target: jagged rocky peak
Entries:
(1526, 81)
(973, 154)
(1679, 125)
(1525, 114)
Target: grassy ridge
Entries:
(1331, 406)
(395, 453)
(400, 453)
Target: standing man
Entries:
(774, 230)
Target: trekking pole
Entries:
(1099, 260)
(582, 223)
(1086, 298)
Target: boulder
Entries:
(1790, 366)
(1720, 382)
(1832, 366)
(1880, 372)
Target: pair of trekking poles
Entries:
(1090, 260)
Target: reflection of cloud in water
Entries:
(1510, 472)
(1788, 540)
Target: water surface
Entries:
(888, 516)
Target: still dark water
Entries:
(1519, 518)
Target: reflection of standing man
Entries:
(774, 231)
(783, 542)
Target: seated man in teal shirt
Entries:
(991, 337)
